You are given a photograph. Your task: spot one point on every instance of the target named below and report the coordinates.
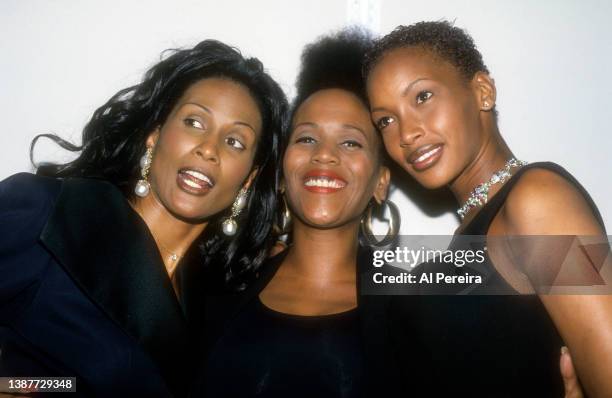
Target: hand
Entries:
(570, 380)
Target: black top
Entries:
(84, 292)
(481, 345)
(360, 344)
(481, 222)
(266, 353)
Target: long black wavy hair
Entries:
(114, 141)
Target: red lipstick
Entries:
(323, 181)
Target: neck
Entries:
(324, 255)
(491, 157)
(172, 235)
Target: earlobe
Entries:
(251, 178)
(382, 186)
(487, 93)
(153, 137)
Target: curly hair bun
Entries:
(334, 61)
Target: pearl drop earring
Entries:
(230, 226)
(142, 186)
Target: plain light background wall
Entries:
(550, 59)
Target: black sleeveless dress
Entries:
(479, 345)
(265, 353)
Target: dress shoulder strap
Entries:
(480, 224)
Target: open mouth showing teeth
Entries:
(324, 182)
(196, 179)
(427, 155)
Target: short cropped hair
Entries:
(441, 38)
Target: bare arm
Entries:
(543, 203)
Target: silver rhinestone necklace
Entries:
(479, 195)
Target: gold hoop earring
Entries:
(285, 221)
(229, 225)
(143, 187)
(394, 225)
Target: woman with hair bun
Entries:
(434, 103)
(97, 255)
(303, 329)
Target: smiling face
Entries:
(204, 151)
(331, 165)
(427, 113)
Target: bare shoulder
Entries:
(543, 202)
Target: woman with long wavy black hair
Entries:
(97, 255)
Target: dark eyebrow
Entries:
(246, 125)
(199, 106)
(352, 127)
(308, 124)
(344, 126)
(409, 87)
(207, 110)
(404, 92)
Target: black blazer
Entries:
(84, 292)
(382, 367)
